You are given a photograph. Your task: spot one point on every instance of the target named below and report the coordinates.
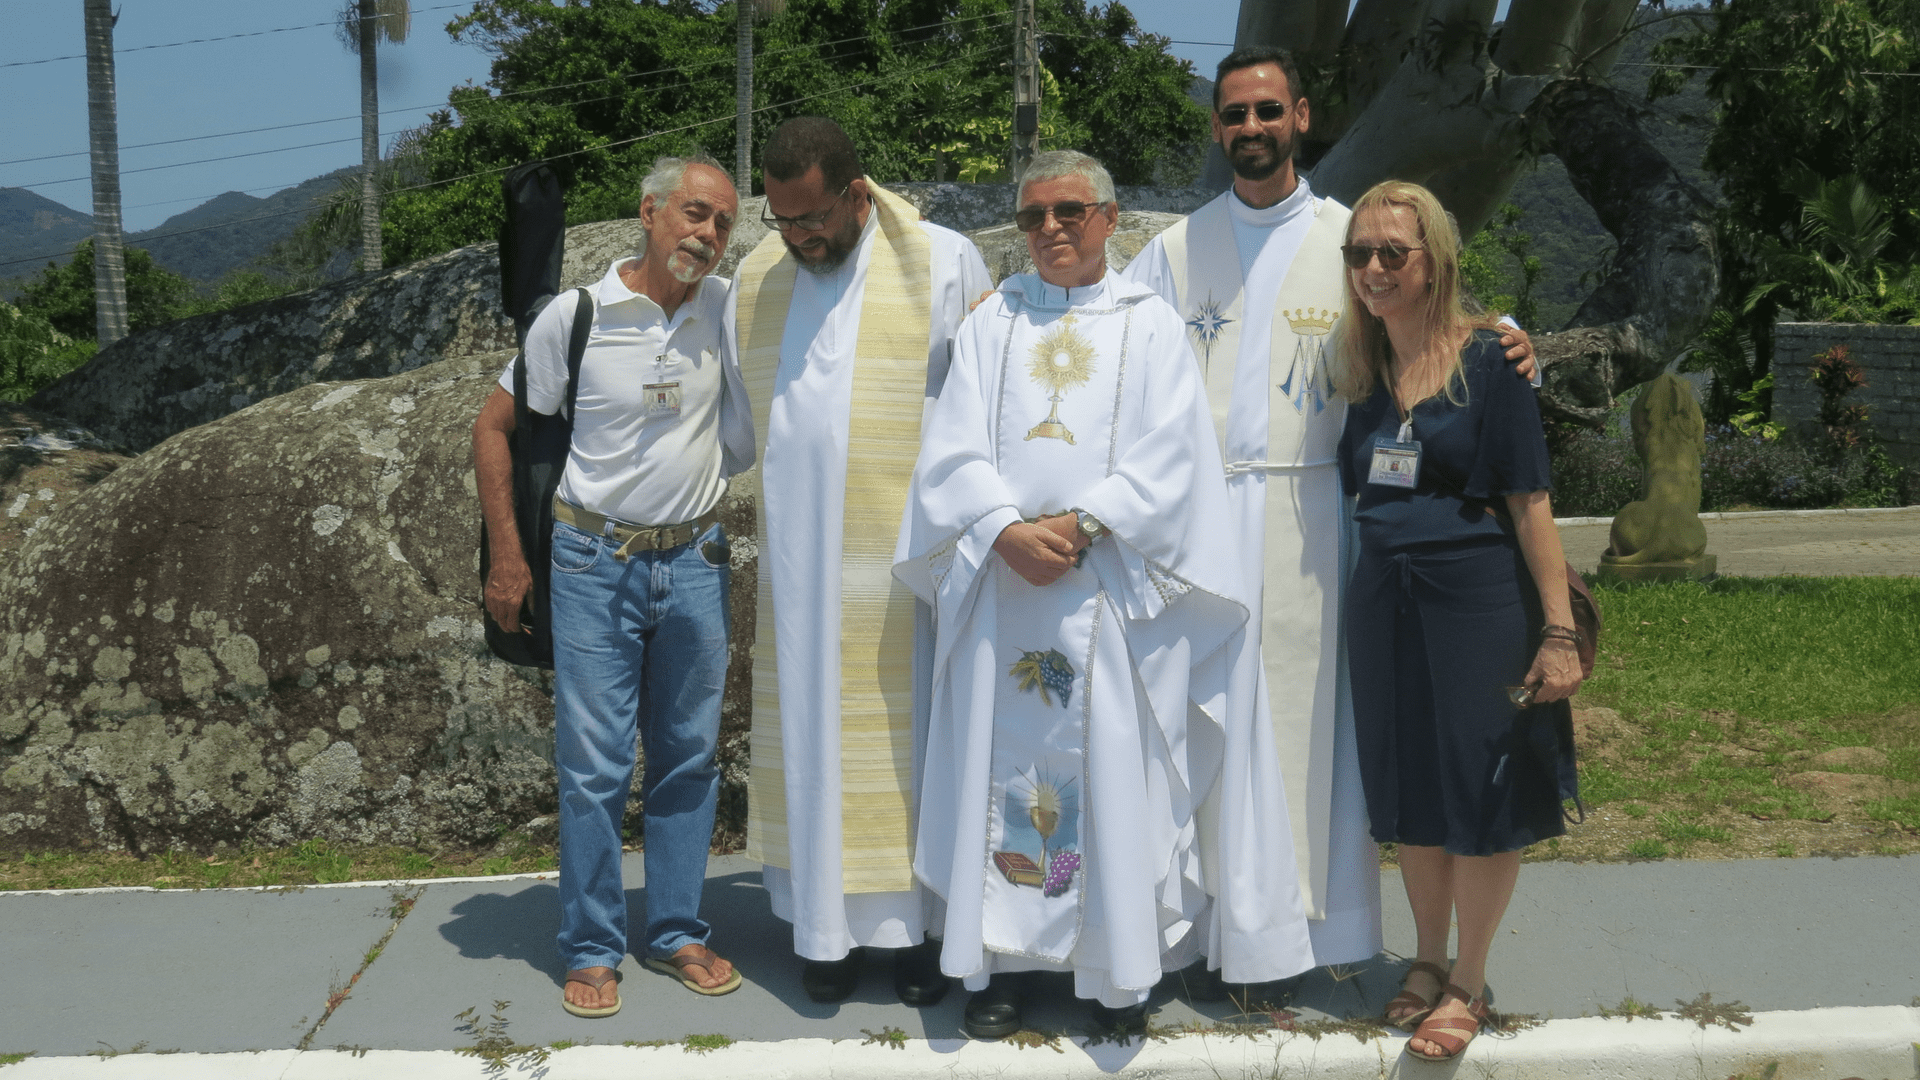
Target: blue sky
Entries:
(298, 85)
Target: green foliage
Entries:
(1500, 269)
(63, 295)
(922, 86)
(33, 353)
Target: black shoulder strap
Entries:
(577, 345)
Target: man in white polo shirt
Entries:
(639, 576)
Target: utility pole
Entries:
(103, 130)
(1026, 87)
(743, 97)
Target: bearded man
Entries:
(1256, 276)
(639, 575)
(1068, 526)
(844, 317)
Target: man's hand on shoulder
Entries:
(1519, 350)
(1038, 553)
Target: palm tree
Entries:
(746, 11)
(362, 23)
(109, 262)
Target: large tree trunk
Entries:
(369, 137)
(1665, 271)
(103, 130)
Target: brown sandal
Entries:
(1409, 1007)
(1442, 1030)
(677, 964)
(591, 1012)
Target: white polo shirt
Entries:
(635, 457)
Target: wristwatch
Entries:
(1090, 526)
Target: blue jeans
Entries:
(639, 647)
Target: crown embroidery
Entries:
(1310, 320)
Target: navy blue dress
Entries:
(1442, 616)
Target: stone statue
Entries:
(1660, 537)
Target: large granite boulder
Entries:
(265, 629)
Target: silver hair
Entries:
(664, 178)
(1055, 164)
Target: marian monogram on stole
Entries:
(1061, 360)
(1308, 377)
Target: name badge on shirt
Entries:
(1395, 463)
(663, 398)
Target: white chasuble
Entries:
(1075, 725)
(1283, 424)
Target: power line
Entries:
(492, 97)
(611, 144)
(203, 41)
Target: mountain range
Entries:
(224, 233)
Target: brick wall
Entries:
(1890, 357)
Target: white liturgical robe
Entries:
(1291, 717)
(809, 393)
(1075, 726)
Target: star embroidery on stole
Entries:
(1206, 324)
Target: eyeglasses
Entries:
(1392, 256)
(808, 222)
(1267, 111)
(1029, 218)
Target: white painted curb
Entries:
(1878, 1043)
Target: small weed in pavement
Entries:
(1764, 1074)
(1027, 1038)
(108, 1051)
(1703, 1011)
(491, 1044)
(647, 1043)
(1631, 1009)
(705, 1044)
(15, 1059)
(891, 1037)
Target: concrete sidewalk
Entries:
(1767, 543)
(238, 983)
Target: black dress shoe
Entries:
(993, 1013)
(1120, 1023)
(916, 975)
(830, 981)
(1199, 983)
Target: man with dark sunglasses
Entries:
(1256, 275)
(843, 317)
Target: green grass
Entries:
(310, 862)
(1768, 649)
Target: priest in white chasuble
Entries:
(1067, 524)
(843, 318)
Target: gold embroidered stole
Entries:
(876, 611)
(1211, 291)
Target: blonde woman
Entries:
(1459, 623)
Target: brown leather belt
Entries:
(632, 538)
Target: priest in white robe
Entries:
(1256, 277)
(1067, 526)
(843, 318)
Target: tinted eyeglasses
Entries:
(807, 223)
(1392, 257)
(1267, 111)
(1029, 218)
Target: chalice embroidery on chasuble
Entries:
(1308, 377)
(1207, 323)
(1038, 852)
(1061, 360)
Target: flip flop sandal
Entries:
(677, 964)
(1409, 1007)
(588, 1011)
(1451, 1033)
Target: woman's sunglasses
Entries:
(1392, 257)
(1029, 218)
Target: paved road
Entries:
(227, 970)
(1876, 543)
